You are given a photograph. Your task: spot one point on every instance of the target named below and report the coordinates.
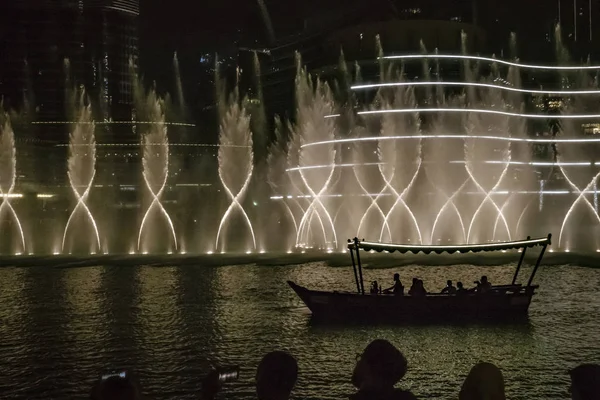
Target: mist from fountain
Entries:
(155, 162)
(236, 165)
(313, 101)
(8, 178)
(408, 158)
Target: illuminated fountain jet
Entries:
(236, 161)
(155, 145)
(8, 176)
(82, 170)
(278, 177)
(314, 101)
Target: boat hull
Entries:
(340, 306)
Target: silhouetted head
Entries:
(415, 281)
(396, 277)
(459, 285)
(381, 365)
(484, 279)
(449, 282)
(484, 382)
(116, 388)
(276, 376)
(585, 382)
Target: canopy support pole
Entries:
(352, 247)
(537, 264)
(520, 263)
(362, 285)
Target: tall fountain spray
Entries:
(8, 177)
(313, 101)
(278, 176)
(155, 161)
(236, 161)
(81, 172)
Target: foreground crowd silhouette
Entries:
(379, 368)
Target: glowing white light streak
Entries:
(156, 195)
(331, 166)
(8, 161)
(450, 201)
(374, 204)
(579, 198)
(81, 198)
(113, 123)
(477, 110)
(400, 200)
(493, 60)
(458, 136)
(498, 192)
(312, 207)
(487, 198)
(81, 168)
(474, 84)
(235, 204)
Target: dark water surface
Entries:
(62, 327)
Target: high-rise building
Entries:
(111, 38)
(98, 37)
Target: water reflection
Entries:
(61, 328)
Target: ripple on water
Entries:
(61, 328)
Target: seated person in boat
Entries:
(460, 289)
(374, 287)
(449, 289)
(484, 285)
(397, 289)
(417, 288)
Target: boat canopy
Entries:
(465, 248)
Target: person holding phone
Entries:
(116, 386)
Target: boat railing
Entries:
(354, 246)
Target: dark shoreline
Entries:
(277, 259)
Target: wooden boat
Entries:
(508, 301)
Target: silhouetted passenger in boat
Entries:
(374, 287)
(484, 382)
(449, 289)
(377, 370)
(413, 287)
(585, 382)
(276, 376)
(397, 289)
(484, 285)
(417, 288)
(460, 289)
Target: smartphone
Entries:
(228, 374)
(121, 374)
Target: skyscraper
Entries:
(111, 37)
(98, 37)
